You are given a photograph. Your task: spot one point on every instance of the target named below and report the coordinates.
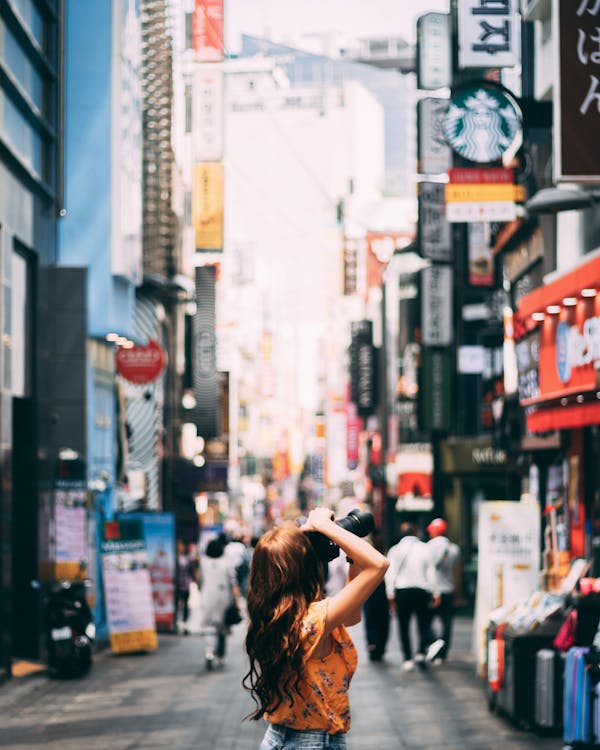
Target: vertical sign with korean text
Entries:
(208, 30)
(488, 33)
(434, 51)
(435, 240)
(207, 114)
(577, 121)
(436, 305)
(434, 155)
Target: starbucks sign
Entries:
(483, 123)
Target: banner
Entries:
(435, 239)
(207, 30)
(207, 205)
(127, 588)
(508, 568)
(363, 367)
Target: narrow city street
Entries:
(167, 700)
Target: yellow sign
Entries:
(207, 205)
(475, 193)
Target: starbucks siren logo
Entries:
(482, 123)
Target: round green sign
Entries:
(482, 123)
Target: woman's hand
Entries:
(319, 519)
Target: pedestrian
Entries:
(238, 556)
(219, 589)
(185, 574)
(376, 611)
(301, 655)
(444, 556)
(408, 585)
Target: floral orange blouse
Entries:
(323, 700)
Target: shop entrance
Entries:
(25, 607)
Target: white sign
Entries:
(471, 360)
(457, 212)
(488, 34)
(207, 114)
(436, 305)
(435, 155)
(434, 231)
(434, 51)
(508, 566)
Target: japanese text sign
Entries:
(577, 155)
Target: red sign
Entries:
(141, 364)
(207, 30)
(480, 176)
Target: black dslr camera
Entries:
(357, 522)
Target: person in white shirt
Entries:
(444, 556)
(409, 585)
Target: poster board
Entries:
(159, 536)
(508, 570)
(127, 588)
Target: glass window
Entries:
(20, 136)
(189, 30)
(188, 109)
(32, 20)
(20, 66)
(20, 322)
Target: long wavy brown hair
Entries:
(286, 576)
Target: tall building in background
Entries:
(31, 198)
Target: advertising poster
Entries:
(127, 589)
(159, 536)
(508, 569)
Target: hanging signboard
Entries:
(434, 51)
(481, 260)
(362, 367)
(141, 364)
(488, 34)
(207, 30)
(508, 569)
(435, 242)
(436, 305)
(483, 123)
(434, 156)
(482, 195)
(207, 206)
(577, 91)
(204, 360)
(207, 114)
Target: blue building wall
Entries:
(86, 238)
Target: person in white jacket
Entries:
(408, 584)
(444, 556)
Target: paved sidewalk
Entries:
(167, 700)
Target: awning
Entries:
(569, 284)
(563, 417)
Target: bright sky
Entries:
(281, 19)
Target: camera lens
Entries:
(358, 523)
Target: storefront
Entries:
(474, 471)
(559, 389)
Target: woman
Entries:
(218, 590)
(301, 656)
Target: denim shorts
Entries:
(278, 737)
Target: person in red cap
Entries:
(444, 556)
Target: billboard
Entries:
(207, 114)
(434, 51)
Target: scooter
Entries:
(69, 627)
